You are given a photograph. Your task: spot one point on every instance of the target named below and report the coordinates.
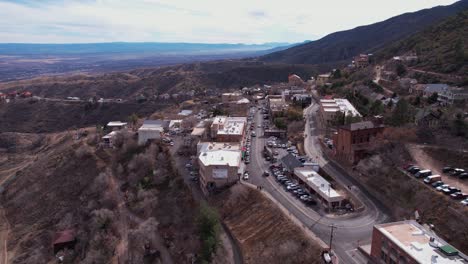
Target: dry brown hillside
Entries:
(118, 200)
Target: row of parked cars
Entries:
(436, 182)
(291, 186)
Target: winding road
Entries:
(352, 230)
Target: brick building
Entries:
(361, 61)
(228, 129)
(407, 242)
(352, 141)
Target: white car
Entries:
(246, 176)
(465, 202)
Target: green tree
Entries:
(433, 98)
(133, 119)
(350, 118)
(208, 228)
(337, 74)
(459, 51)
(376, 108)
(401, 114)
(280, 124)
(460, 126)
(400, 69)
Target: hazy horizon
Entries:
(183, 21)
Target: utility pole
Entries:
(331, 236)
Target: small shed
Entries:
(64, 240)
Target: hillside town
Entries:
(345, 154)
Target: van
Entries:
(423, 173)
(432, 178)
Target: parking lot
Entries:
(440, 182)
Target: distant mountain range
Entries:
(148, 48)
(341, 46)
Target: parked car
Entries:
(458, 196)
(432, 178)
(447, 169)
(450, 190)
(414, 170)
(463, 175)
(457, 172)
(246, 176)
(437, 184)
(423, 173)
(442, 187)
(465, 202)
(266, 174)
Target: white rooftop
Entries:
(243, 101)
(342, 104)
(230, 125)
(318, 184)
(110, 135)
(213, 146)
(116, 124)
(414, 239)
(230, 158)
(185, 112)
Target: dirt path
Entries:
(427, 162)
(4, 230)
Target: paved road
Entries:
(352, 230)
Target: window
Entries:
(402, 260)
(383, 256)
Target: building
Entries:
(430, 89)
(276, 104)
(219, 168)
(407, 83)
(453, 95)
(317, 185)
(290, 162)
(428, 117)
(108, 140)
(228, 129)
(152, 129)
(323, 79)
(361, 61)
(352, 141)
(293, 79)
(116, 125)
(64, 240)
(228, 97)
(408, 242)
(330, 107)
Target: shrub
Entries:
(208, 227)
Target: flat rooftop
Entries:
(230, 158)
(213, 146)
(318, 184)
(342, 105)
(230, 125)
(414, 239)
(116, 124)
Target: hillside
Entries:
(440, 48)
(344, 45)
(216, 75)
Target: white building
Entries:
(116, 125)
(329, 108)
(219, 168)
(316, 184)
(151, 129)
(408, 242)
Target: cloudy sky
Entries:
(206, 21)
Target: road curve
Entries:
(351, 230)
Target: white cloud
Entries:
(209, 21)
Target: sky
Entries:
(201, 21)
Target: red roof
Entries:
(64, 236)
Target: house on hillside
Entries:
(361, 61)
(427, 117)
(294, 79)
(323, 79)
(64, 240)
(116, 125)
(431, 88)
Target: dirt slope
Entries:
(264, 233)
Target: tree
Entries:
(133, 119)
(279, 123)
(402, 114)
(337, 74)
(376, 108)
(208, 228)
(433, 98)
(350, 118)
(459, 51)
(459, 125)
(400, 69)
